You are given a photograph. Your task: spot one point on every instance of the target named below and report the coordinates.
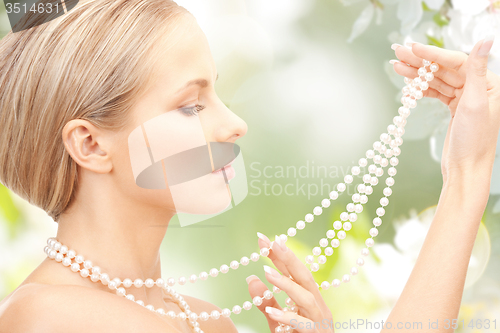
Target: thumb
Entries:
(477, 67)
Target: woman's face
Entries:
(180, 112)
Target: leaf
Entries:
(441, 20)
(362, 22)
(434, 41)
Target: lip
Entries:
(228, 170)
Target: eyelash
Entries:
(192, 111)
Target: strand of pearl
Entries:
(411, 93)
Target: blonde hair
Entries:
(91, 63)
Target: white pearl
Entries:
(127, 283)
(347, 226)
(362, 162)
(397, 120)
(59, 257)
(337, 225)
(334, 195)
(363, 199)
(348, 179)
(384, 201)
(424, 85)
(407, 80)
(121, 291)
(268, 294)
(317, 210)
(384, 137)
(429, 76)
(360, 262)
(171, 314)
(367, 178)
(226, 312)
(182, 316)
(389, 181)
(138, 283)
(160, 311)
(112, 285)
(246, 305)
(365, 252)
(150, 307)
(291, 232)
(276, 290)
(335, 243)
(341, 234)
(254, 257)
(377, 158)
(325, 203)
(204, 315)
(141, 303)
(346, 278)
(203, 276)
(149, 283)
(384, 162)
(355, 170)
(373, 232)
(434, 67)
(323, 242)
(336, 283)
(215, 314)
(117, 281)
(369, 242)
(321, 259)
(66, 261)
(316, 251)
(214, 272)
(419, 94)
(354, 216)
(350, 207)
(379, 172)
(309, 218)
(396, 151)
(380, 211)
(130, 297)
(426, 63)
(370, 153)
(421, 71)
(96, 269)
(57, 246)
(159, 282)
(84, 273)
(257, 300)
(224, 269)
(264, 252)
(300, 225)
(361, 188)
(369, 190)
(394, 161)
(330, 233)
(63, 249)
(356, 197)
(354, 270)
(344, 216)
(392, 171)
(193, 316)
(52, 254)
(234, 264)
(310, 259)
(374, 181)
(341, 187)
(245, 261)
(325, 285)
(79, 259)
(75, 267)
(314, 267)
(377, 221)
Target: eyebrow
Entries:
(201, 82)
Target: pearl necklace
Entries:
(412, 92)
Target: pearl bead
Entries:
(75, 267)
(247, 306)
(279, 329)
(57, 246)
(335, 243)
(358, 208)
(379, 172)
(354, 270)
(224, 269)
(264, 252)
(365, 252)
(150, 307)
(348, 179)
(215, 314)
(419, 94)
(361, 188)
(374, 181)
(182, 316)
(323, 242)
(373, 232)
(363, 199)
(52, 254)
(309, 218)
(369, 190)
(149, 283)
(389, 181)
(244, 261)
(380, 211)
(384, 162)
(63, 249)
(325, 203)
(159, 282)
(96, 269)
(121, 291)
(66, 261)
(226, 312)
(84, 273)
(337, 225)
(268, 294)
(325, 285)
(276, 290)
(330, 233)
(112, 285)
(309, 259)
(214, 272)
(346, 278)
(234, 264)
(117, 281)
(334, 195)
(424, 85)
(254, 257)
(300, 225)
(138, 283)
(328, 251)
(171, 314)
(426, 63)
(316, 251)
(130, 297)
(291, 232)
(321, 259)
(377, 221)
(355, 170)
(94, 277)
(193, 316)
(141, 303)
(257, 300)
(370, 153)
(336, 283)
(434, 67)
(384, 201)
(360, 262)
(314, 267)
(341, 187)
(367, 178)
(87, 264)
(429, 77)
(341, 234)
(347, 226)
(104, 278)
(363, 162)
(59, 257)
(317, 210)
(344, 216)
(204, 315)
(396, 151)
(79, 259)
(377, 158)
(369, 242)
(350, 207)
(421, 71)
(203, 276)
(355, 197)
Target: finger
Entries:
(302, 297)
(436, 83)
(298, 323)
(257, 288)
(432, 93)
(405, 55)
(446, 58)
(264, 241)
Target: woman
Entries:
(110, 66)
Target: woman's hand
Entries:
(301, 288)
(472, 93)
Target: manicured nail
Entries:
(280, 242)
(274, 273)
(485, 49)
(264, 238)
(395, 46)
(410, 44)
(393, 61)
(274, 311)
(251, 278)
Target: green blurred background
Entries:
(312, 99)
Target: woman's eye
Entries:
(192, 110)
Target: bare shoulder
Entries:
(67, 308)
(223, 324)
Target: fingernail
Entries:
(280, 242)
(485, 49)
(274, 311)
(393, 61)
(251, 278)
(264, 238)
(395, 46)
(410, 44)
(274, 273)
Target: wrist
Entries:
(473, 182)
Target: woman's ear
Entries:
(88, 145)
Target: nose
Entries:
(230, 127)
